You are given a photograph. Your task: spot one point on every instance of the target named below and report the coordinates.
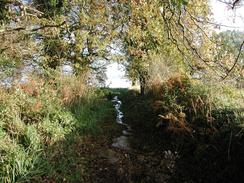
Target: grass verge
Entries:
(42, 120)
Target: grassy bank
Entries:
(40, 121)
(203, 123)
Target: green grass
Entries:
(34, 128)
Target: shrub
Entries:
(187, 106)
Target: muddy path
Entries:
(120, 156)
(132, 150)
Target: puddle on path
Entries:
(137, 165)
(121, 142)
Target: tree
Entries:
(82, 33)
(155, 26)
(79, 33)
(51, 8)
(229, 54)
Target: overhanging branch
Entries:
(236, 60)
(7, 31)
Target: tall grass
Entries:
(36, 115)
(184, 104)
(202, 121)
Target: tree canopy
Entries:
(86, 34)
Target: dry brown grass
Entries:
(175, 122)
(178, 81)
(32, 87)
(67, 88)
(72, 88)
(176, 99)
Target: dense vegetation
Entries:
(37, 117)
(56, 117)
(202, 123)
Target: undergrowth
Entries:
(38, 114)
(202, 122)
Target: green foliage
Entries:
(39, 115)
(34, 117)
(3, 11)
(179, 2)
(164, 34)
(202, 122)
(51, 7)
(191, 106)
(8, 67)
(227, 50)
(54, 52)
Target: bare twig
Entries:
(236, 60)
(235, 3)
(48, 26)
(7, 31)
(232, 4)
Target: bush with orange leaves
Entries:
(182, 106)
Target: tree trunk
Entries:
(142, 85)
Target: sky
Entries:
(222, 14)
(116, 77)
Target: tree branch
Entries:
(32, 30)
(48, 26)
(236, 60)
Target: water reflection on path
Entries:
(138, 164)
(121, 142)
